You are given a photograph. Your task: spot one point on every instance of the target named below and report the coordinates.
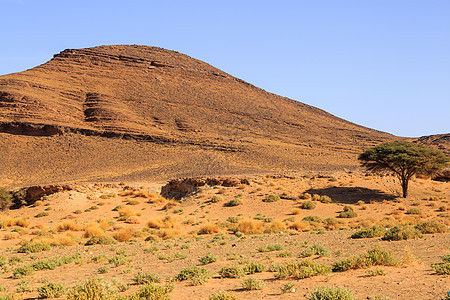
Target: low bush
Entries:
(92, 289)
(442, 268)
(197, 275)
(100, 240)
(223, 295)
(375, 272)
(51, 290)
(145, 278)
(251, 284)
(253, 268)
(271, 198)
(216, 199)
(288, 287)
(413, 211)
(331, 293)
(431, 226)
(270, 248)
(152, 291)
(315, 249)
(369, 232)
(207, 259)
(373, 257)
(234, 202)
(402, 232)
(5, 199)
(300, 269)
(325, 199)
(308, 205)
(33, 247)
(347, 214)
(231, 272)
(312, 219)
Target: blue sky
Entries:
(383, 64)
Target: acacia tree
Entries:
(404, 159)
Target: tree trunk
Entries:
(405, 187)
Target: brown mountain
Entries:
(137, 112)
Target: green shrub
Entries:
(144, 278)
(231, 272)
(402, 232)
(315, 249)
(251, 284)
(46, 264)
(373, 257)
(271, 247)
(253, 268)
(216, 198)
(153, 292)
(331, 293)
(223, 295)
(41, 214)
(442, 268)
(284, 254)
(431, 226)
(233, 219)
(51, 290)
(92, 289)
(119, 260)
(312, 219)
(369, 232)
(271, 198)
(347, 214)
(100, 240)
(288, 287)
(33, 247)
(197, 275)
(414, 211)
(22, 271)
(308, 205)
(103, 270)
(300, 269)
(234, 202)
(375, 272)
(5, 199)
(208, 259)
(326, 199)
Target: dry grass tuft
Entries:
(296, 211)
(67, 225)
(123, 235)
(93, 229)
(128, 212)
(163, 222)
(9, 222)
(170, 204)
(300, 226)
(208, 229)
(249, 226)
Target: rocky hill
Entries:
(137, 112)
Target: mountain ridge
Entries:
(183, 115)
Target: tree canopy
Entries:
(404, 159)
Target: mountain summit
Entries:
(184, 114)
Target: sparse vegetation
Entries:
(369, 232)
(331, 293)
(402, 232)
(271, 198)
(251, 284)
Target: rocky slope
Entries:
(113, 112)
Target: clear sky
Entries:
(384, 64)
